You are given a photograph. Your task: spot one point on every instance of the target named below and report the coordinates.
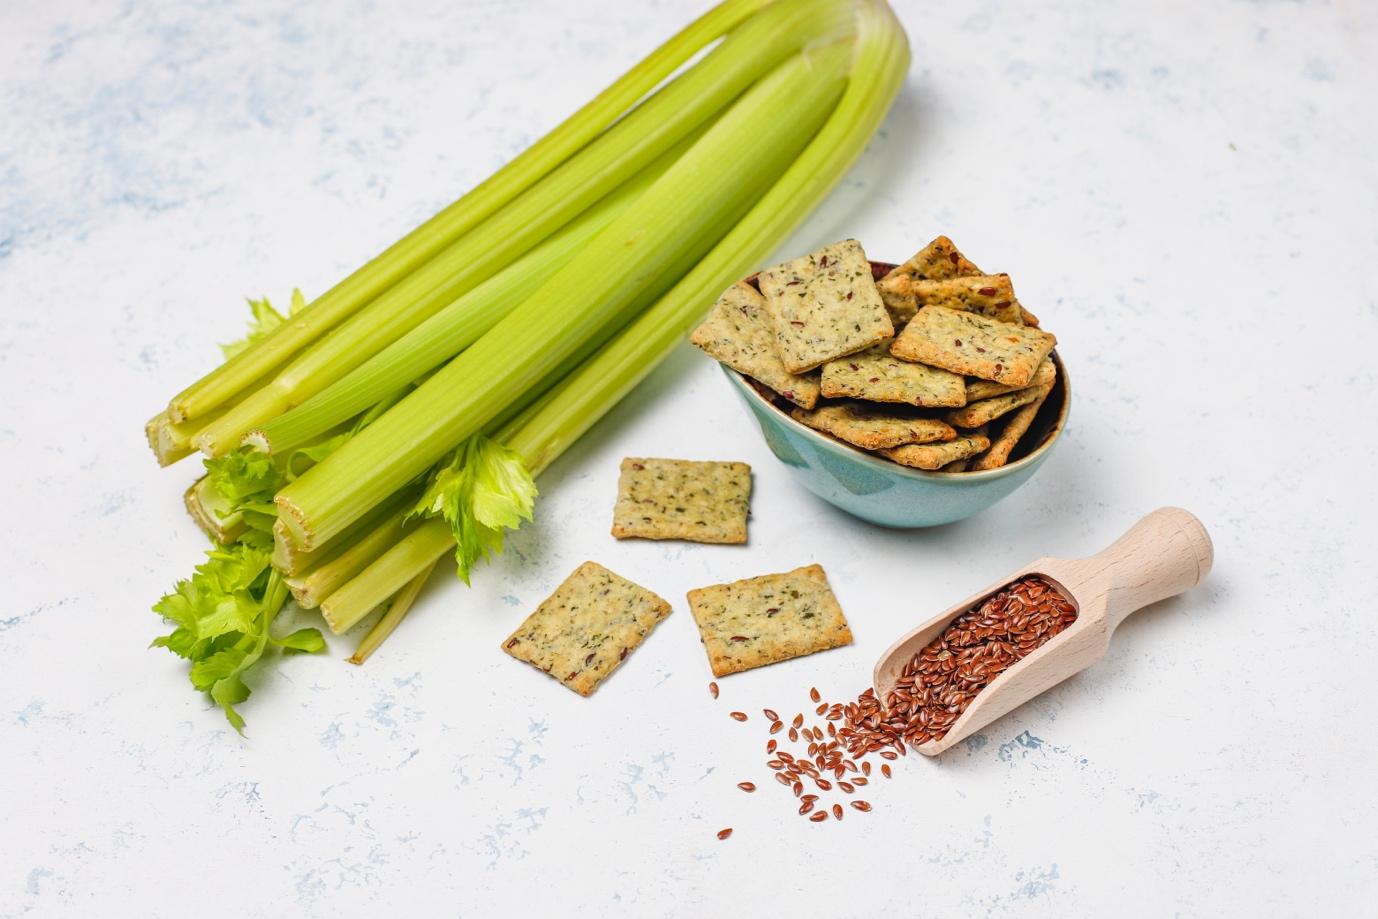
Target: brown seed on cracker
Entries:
(974, 345)
(740, 333)
(763, 620)
(584, 630)
(682, 499)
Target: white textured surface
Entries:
(1184, 192)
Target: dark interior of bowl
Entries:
(1045, 423)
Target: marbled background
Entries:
(1185, 192)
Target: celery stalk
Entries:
(390, 620)
(679, 218)
(642, 136)
(231, 378)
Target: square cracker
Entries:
(877, 377)
(584, 630)
(978, 389)
(986, 294)
(934, 262)
(825, 305)
(682, 499)
(936, 456)
(740, 333)
(975, 414)
(874, 427)
(1003, 445)
(768, 619)
(974, 345)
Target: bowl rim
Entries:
(743, 383)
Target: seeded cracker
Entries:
(936, 456)
(825, 305)
(934, 262)
(987, 410)
(986, 294)
(1000, 448)
(587, 627)
(740, 333)
(983, 389)
(682, 499)
(877, 377)
(974, 345)
(874, 427)
(768, 619)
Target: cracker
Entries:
(1001, 447)
(587, 627)
(934, 262)
(936, 456)
(877, 377)
(973, 345)
(983, 389)
(825, 305)
(768, 619)
(956, 466)
(975, 414)
(1028, 317)
(682, 499)
(985, 294)
(874, 427)
(740, 333)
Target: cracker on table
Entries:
(936, 456)
(986, 294)
(874, 427)
(584, 630)
(934, 262)
(975, 414)
(973, 345)
(682, 499)
(768, 619)
(824, 305)
(740, 333)
(978, 389)
(876, 376)
(1015, 428)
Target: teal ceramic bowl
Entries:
(886, 493)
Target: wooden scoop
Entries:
(1162, 555)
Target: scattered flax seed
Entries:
(793, 735)
(837, 811)
(747, 786)
(848, 787)
(775, 728)
(863, 806)
(806, 807)
(713, 690)
(819, 816)
(739, 716)
(770, 714)
(725, 832)
(814, 695)
(798, 720)
(885, 770)
(770, 745)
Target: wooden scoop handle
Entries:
(1162, 555)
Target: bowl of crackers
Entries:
(908, 395)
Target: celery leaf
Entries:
(480, 491)
(265, 320)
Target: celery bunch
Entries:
(405, 414)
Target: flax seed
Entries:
(863, 806)
(819, 816)
(738, 716)
(814, 695)
(747, 786)
(837, 811)
(713, 690)
(725, 832)
(770, 715)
